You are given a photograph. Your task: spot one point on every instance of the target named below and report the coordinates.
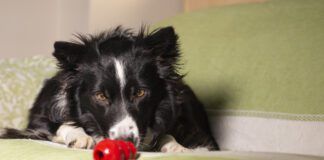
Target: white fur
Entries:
(124, 128)
(73, 136)
(120, 73)
(61, 102)
(169, 144)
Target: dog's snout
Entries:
(122, 132)
(129, 138)
(126, 130)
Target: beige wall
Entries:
(26, 29)
(72, 17)
(132, 13)
(29, 27)
(192, 5)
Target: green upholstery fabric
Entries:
(20, 81)
(264, 57)
(35, 150)
(32, 150)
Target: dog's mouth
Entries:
(136, 140)
(124, 129)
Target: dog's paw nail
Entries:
(83, 142)
(71, 144)
(174, 148)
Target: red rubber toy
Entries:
(114, 150)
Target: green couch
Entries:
(258, 68)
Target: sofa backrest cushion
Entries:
(20, 81)
(259, 70)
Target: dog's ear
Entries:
(163, 42)
(68, 54)
(163, 45)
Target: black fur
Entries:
(151, 60)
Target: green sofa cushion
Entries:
(259, 68)
(36, 150)
(20, 82)
(263, 57)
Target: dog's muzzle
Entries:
(126, 129)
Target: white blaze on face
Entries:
(120, 73)
(126, 128)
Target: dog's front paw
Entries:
(81, 141)
(175, 148)
(74, 137)
(169, 144)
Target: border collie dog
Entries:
(119, 85)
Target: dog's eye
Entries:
(140, 93)
(100, 96)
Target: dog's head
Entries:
(118, 78)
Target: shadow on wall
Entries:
(219, 97)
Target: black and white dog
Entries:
(119, 85)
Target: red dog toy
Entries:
(114, 150)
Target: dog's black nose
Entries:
(126, 130)
(130, 138)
